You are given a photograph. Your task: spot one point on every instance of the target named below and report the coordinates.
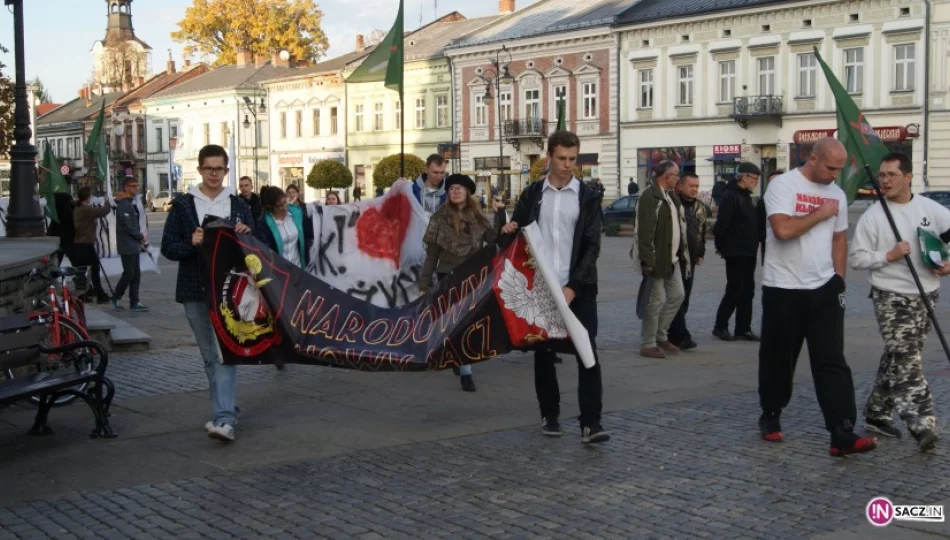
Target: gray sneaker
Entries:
(139, 307)
(223, 432)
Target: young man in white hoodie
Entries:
(180, 241)
(901, 314)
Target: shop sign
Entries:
(312, 159)
(290, 160)
(886, 134)
(724, 149)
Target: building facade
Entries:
(225, 106)
(374, 112)
(120, 58)
(554, 50)
(708, 87)
(66, 129)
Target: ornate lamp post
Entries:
(497, 75)
(249, 105)
(26, 217)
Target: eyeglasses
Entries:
(457, 189)
(214, 170)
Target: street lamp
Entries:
(26, 217)
(498, 74)
(249, 105)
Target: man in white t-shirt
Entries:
(803, 291)
(901, 314)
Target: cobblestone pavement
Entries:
(684, 470)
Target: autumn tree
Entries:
(220, 27)
(119, 64)
(375, 37)
(6, 110)
(40, 92)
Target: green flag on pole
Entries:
(863, 144)
(52, 183)
(96, 148)
(386, 61)
(561, 122)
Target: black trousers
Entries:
(740, 291)
(789, 317)
(85, 255)
(131, 276)
(589, 386)
(678, 332)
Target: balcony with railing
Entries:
(531, 129)
(766, 107)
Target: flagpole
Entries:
(910, 264)
(402, 134)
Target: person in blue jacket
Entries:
(283, 227)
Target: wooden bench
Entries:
(20, 347)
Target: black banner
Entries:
(266, 310)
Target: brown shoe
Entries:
(652, 352)
(668, 347)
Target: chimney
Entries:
(140, 81)
(187, 64)
(360, 43)
(87, 95)
(277, 61)
(244, 57)
(506, 6)
(260, 60)
(170, 65)
(126, 85)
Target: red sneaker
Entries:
(771, 428)
(844, 442)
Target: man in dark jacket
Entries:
(563, 208)
(63, 227)
(180, 241)
(253, 200)
(632, 188)
(737, 239)
(719, 189)
(129, 241)
(688, 190)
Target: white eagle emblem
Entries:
(536, 305)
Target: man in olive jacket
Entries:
(663, 253)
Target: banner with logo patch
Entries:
(371, 249)
(266, 310)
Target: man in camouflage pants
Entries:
(901, 313)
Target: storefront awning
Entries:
(588, 159)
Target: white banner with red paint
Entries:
(371, 249)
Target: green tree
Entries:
(329, 174)
(6, 110)
(220, 27)
(40, 91)
(387, 170)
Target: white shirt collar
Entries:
(574, 185)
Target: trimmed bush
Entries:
(329, 174)
(387, 170)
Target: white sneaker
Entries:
(224, 432)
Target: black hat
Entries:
(461, 180)
(748, 168)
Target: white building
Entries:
(225, 106)
(710, 83)
(308, 107)
(120, 58)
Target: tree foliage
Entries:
(7, 97)
(40, 91)
(329, 174)
(387, 170)
(119, 64)
(220, 27)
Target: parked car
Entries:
(164, 200)
(942, 197)
(621, 211)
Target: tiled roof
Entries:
(651, 10)
(76, 110)
(546, 17)
(224, 78)
(329, 66)
(160, 82)
(46, 108)
(429, 43)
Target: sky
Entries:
(59, 34)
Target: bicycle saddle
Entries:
(65, 271)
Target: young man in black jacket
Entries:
(569, 219)
(737, 239)
(180, 241)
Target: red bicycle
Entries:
(64, 315)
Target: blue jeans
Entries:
(465, 370)
(222, 379)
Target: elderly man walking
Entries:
(663, 254)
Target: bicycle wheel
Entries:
(62, 333)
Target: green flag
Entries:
(561, 122)
(53, 182)
(863, 144)
(385, 62)
(96, 147)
